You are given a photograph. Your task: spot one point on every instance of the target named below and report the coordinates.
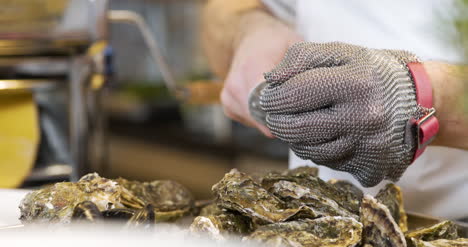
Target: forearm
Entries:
(450, 92)
(224, 23)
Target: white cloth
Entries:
(437, 183)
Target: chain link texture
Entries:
(346, 107)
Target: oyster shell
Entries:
(164, 195)
(89, 212)
(460, 242)
(86, 211)
(57, 202)
(442, 230)
(169, 199)
(392, 197)
(303, 171)
(353, 192)
(122, 214)
(222, 226)
(297, 194)
(316, 187)
(380, 229)
(211, 209)
(144, 217)
(324, 232)
(238, 192)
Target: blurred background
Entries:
(89, 97)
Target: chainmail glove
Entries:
(346, 107)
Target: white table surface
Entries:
(9, 202)
(88, 235)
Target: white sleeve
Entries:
(283, 9)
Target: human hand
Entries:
(346, 107)
(260, 45)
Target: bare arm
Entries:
(222, 24)
(242, 41)
(450, 90)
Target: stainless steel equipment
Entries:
(56, 49)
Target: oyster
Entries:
(460, 242)
(118, 214)
(89, 212)
(86, 211)
(353, 193)
(238, 192)
(145, 217)
(323, 232)
(303, 171)
(380, 229)
(316, 187)
(169, 199)
(164, 195)
(392, 197)
(222, 226)
(297, 194)
(211, 209)
(57, 202)
(442, 230)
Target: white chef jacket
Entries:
(437, 183)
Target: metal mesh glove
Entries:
(346, 107)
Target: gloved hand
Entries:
(346, 107)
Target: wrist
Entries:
(448, 94)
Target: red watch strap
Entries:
(428, 125)
(428, 130)
(422, 84)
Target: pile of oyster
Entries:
(290, 208)
(296, 208)
(94, 198)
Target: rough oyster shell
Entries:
(352, 192)
(87, 211)
(120, 214)
(323, 232)
(57, 202)
(318, 188)
(303, 171)
(164, 195)
(460, 242)
(238, 192)
(169, 199)
(222, 226)
(211, 209)
(380, 229)
(297, 194)
(144, 217)
(392, 197)
(442, 230)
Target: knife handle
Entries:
(205, 92)
(202, 92)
